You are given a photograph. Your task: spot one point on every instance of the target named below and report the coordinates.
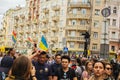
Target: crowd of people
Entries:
(40, 66)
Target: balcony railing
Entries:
(77, 27)
(55, 18)
(44, 29)
(21, 31)
(16, 25)
(56, 7)
(16, 17)
(77, 16)
(45, 10)
(54, 27)
(22, 16)
(28, 23)
(21, 24)
(80, 4)
(36, 21)
(54, 39)
(114, 40)
(73, 38)
(45, 19)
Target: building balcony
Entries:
(55, 18)
(114, 40)
(54, 39)
(45, 10)
(44, 29)
(74, 38)
(22, 16)
(21, 24)
(36, 21)
(78, 16)
(56, 7)
(45, 19)
(28, 23)
(28, 31)
(16, 17)
(34, 30)
(20, 39)
(77, 27)
(21, 31)
(54, 28)
(16, 25)
(79, 4)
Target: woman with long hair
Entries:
(22, 69)
(88, 70)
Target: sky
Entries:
(7, 4)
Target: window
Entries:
(95, 35)
(113, 48)
(72, 33)
(94, 47)
(73, 22)
(75, 1)
(96, 23)
(114, 10)
(83, 11)
(81, 46)
(114, 22)
(113, 34)
(84, 1)
(97, 1)
(97, 12)
(72, 44)
(108, 21)
(74, 11)
(83, 22)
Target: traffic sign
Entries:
(65, 49)
(106, 12)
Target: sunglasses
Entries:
(109, 68)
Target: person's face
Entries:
(58, 59)
(65, 63)
(98, 69)
(13, 52)
(108, 69)
(90, 65)
(42, 59)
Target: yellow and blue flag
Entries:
(43, 44)
(14, 36)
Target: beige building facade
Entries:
(113, 22)
(62, 22)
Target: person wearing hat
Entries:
(5, 66)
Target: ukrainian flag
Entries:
(14, 39)
(43, 44)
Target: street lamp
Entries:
(105, 13)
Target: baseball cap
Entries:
(6, 64)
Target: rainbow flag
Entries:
(43, 44)
(14, 38)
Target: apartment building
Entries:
(2, 37)
(113, 22)
(62, 22)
